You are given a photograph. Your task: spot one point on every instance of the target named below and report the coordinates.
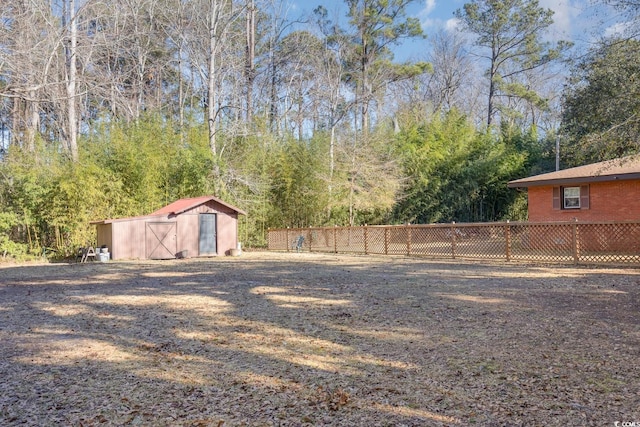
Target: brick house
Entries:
(605, 191)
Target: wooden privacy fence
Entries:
(566, 242)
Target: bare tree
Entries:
(209, 40)
(452, 70)
(71, 44)
(274, 25)
(26, 60)
(250, 67)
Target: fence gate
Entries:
(160, 240)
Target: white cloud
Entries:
(452, 24)
(618, 29)
(425, 20)
(565, 17)
(425, 15)
(429, 5)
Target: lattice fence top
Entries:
(566, 242)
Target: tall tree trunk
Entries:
(71, 51)
(273, 95)
(364, 97)
(492, 92)
(250, 58)
(332, 164)
(15, 122)
(352, 194)
(32, 122)
(300, 114)
(180, 95)
(214, 16)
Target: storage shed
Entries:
(199, 226)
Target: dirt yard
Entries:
(276, 339)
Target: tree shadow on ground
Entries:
(309, 339)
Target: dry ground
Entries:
(308, 339)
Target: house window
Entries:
(571, 197)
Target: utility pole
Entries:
(557, 153)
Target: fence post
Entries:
(507, 236)
(310, 237)
(335, 239)
(408, 239)
(453, 239)
(288, 243)
(366, 240)
(386, 240)
(576, 242)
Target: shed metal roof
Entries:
(611, 170)
(175, 208)
(183, 205)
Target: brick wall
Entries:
(608, 201)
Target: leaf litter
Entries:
(273, 339)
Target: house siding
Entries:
(608, 201)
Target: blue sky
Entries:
(576, 20)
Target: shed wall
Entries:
(129, 240)
(227, 233)
(104, 235)
(126, 238)
(227, 223)
(188, 228)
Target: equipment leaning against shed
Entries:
(86, 253)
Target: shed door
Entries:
(160, 240)
(208, 234)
